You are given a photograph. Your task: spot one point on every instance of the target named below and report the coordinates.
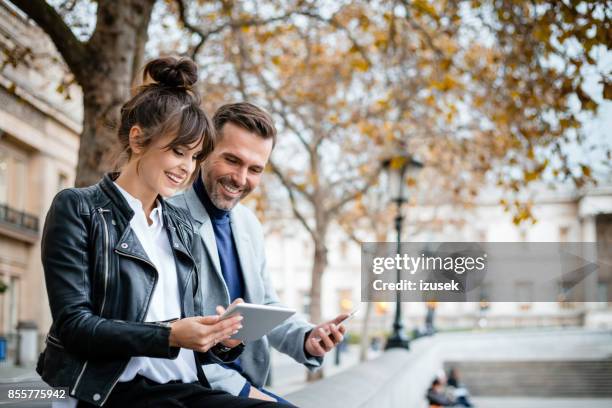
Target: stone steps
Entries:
(578, 378)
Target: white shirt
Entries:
(165, 302)
(164, 305)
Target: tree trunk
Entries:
(118, 41)
(318, 267)
(104, 67)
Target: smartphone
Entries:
(350, 316)
(346, 319)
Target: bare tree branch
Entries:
(206, 34)
(278, 97)
(349, 196)
(420, 29)
(332, 21)
(290, 191)
(72, 50)
(182, 14)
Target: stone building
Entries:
(564, 215)
(39, 129)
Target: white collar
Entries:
(136, 205)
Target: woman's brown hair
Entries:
(167, 104)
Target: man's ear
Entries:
(136, 139)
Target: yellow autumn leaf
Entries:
(360, 64)
(426, 7)
(397, 162)
(586, 170)
(383, 104)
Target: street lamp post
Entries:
(398, 168)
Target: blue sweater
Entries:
(228, 257)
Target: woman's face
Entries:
(165, 171)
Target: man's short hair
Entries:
(247, 116)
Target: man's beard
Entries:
(213, 188)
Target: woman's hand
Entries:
(200, 333)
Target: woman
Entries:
(121, 265)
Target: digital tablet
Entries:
(257, 320)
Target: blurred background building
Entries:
(39, 140)
(564, 215)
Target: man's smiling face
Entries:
(235, 166)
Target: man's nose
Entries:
(240, 176)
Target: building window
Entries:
(13, 177)
(563, 234)
(62, 181)
(20, 186)
(345, 300)
(381, 308)
(3, 178)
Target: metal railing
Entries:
(22, 221)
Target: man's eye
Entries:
(231, 160)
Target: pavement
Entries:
(10, 373)
(289, 376)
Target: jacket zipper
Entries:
(78, 380)
(106, 255)
(146, 309)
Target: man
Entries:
(236, 265)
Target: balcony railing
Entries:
(19, 220)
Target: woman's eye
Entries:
(177, 152)
(198, 157)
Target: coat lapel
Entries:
(198, 212)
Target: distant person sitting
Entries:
(436, 395)
(459, 389)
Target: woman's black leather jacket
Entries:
(100, 282)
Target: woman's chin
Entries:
(167, 191)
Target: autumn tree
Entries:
(103, 65)
(505, 85)
(310, 91)
(106, 59)
(481, 91)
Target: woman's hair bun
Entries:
(170, 71)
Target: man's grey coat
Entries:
(288, 338)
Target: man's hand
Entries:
(230, 342)
(256, 394)
(325, 336)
